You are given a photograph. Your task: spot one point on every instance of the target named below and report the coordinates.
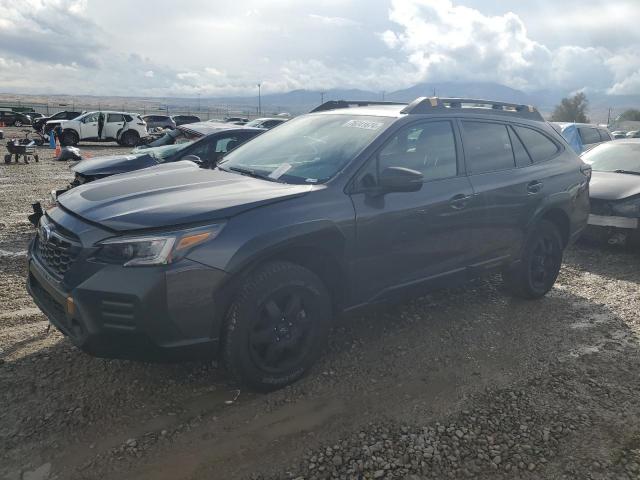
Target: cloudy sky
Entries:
(225, 47)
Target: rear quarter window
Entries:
(604, 136)
(539, 146)
(589, 135)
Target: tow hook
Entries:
(34, 218)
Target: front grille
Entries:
(57, 253)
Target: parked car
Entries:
(159, 121)
(236, 120)
(615, 191)
(331, 211)
(125, 128)
(618, 134)
(633, 134)
(266, 122)
(16, 119)
(210, 145)
(588, 135)
(184, 119)
(51, 120)
(35, 115)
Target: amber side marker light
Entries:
(191, 240)
(71, 306)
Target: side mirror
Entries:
(399, 179)
(193, 158)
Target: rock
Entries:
(531, 467)
(40, 473)
(337, 460)
(378, 474)
(132, 443)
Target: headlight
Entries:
(154, 249)
(628, 208)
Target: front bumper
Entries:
(147, 313)
(613, 230)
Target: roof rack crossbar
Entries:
(336, 104)
(437, 105)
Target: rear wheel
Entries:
(69, 138)
(7, 158)
(130, 138)
(539, 265)
(277, 326)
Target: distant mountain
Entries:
(300, 101)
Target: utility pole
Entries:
(259, 100)
(383, 93)
(198, 102)
(609, 117)
(321, 97)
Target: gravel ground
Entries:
(461, 383)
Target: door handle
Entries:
(458, 202)
(534, 186)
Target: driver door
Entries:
(407, 238)
(89, 126)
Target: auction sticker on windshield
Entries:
(281, 170)
(365, 124)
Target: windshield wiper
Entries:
(248, 172)
(630, 172)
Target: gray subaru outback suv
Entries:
(350, 205)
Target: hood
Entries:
(613, 186)
(172, 194)
(112, 164)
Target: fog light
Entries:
(71, 307)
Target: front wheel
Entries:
(69, 139)
(277, 326)
(539, 266)
(17, 123)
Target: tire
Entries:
(130, 138)
(17, 123)
(539, 266)
(36, 158)
(69, 138)
(7, 158)
(265, 347)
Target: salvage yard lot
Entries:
(459, 383)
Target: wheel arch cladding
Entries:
(319, 247)
(560, 219)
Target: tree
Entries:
(572, 109)
(631, 114)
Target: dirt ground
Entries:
(461, 383)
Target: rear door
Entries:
(510, 186)
(405, 238)
(115, 121)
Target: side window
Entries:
(128, 118)
(589, 135)
(115, 117)
(429, 148)
(519, 152)
(604, 136)
(226, 144)
(539, 146)
(93, 117)
(487, 147)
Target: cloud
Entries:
(443, 41)
(52, 31)
(334, 21)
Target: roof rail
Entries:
(336, 104)
(453, 105)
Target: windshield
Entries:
(308, 149)
(164, 153)
(610, 157)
